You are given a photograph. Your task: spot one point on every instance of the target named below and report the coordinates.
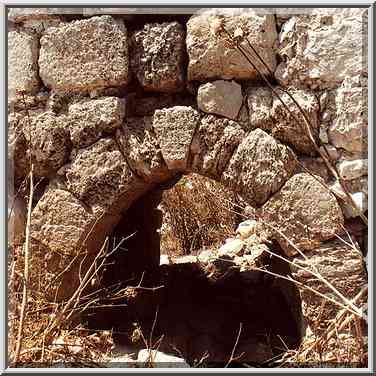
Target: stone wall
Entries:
(109, 105)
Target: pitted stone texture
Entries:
(60, 221)
(211, 56)
(260, 102)
(22, 63)
(259, 167)
(349, 127)
(321, 49)
(305, 212)
(157, 57)
(91, 120)
(286, 129)
(174, 128)
(70, 235)
(342, 266)
(50, 142)
(85, 55)
(213, 145)
(99, 176)
(140, 147)
(221, 98)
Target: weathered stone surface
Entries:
(285, 127)
(66, 237)
(22, 63)
(100, 177)
(321, 49)
(342, 266)
(158, 52)
(213, 145)
(305, 212)
(60, 221)
(85, 55)
(259, 167)
(350, 170)
(50, 142)
(221, 98)
(174, 128)
(260, 102)
(140, 147)
(91, 120)
(210, 55)
(349, 127)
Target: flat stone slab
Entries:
(85, 55)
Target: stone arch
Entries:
(100, 167)
(88, 199)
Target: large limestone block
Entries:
(22, 63)
(213, 145)
(342, 266)
(90, 120)
(321, 49)
(287, 129)
(99, 176)
(305, 212)
(211, 56)
(66, 235)
(174, 128)
(60, 221)
(259, 167)
(85, 55)
(350, 112)
(220, 97)
(140, 147)
(157, 59)
(50, 142)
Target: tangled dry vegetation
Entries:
(198, 213)
(46, 339)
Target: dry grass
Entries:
(195, 216)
